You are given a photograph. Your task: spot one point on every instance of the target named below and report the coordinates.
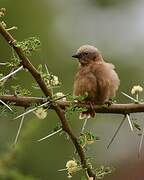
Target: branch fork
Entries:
(59, 111)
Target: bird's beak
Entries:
(75, 56)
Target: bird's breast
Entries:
(85, 82)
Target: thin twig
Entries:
(50, 135)
(116, 132)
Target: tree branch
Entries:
(60, 112)
(26, 101)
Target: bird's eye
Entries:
(86, 53)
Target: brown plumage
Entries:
(95, 77)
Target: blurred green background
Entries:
(117, 29)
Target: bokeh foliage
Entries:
(32, 160)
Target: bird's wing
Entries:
(107, 81)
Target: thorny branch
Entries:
(26, 101)
(60, 112)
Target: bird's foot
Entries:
(92, 110)
(109, 102)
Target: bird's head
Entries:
(87, 53)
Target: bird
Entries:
(95, 78)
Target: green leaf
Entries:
(29, 45)
(18, 90)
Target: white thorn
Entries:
(31, 110)
(3, 64)
(19, 129)
(6, 105)
(12, 28)
(12, 73)
(50, 135)
(62, 170)
(84, 125)
(46, 69)
(129, 97)
(116, 132)
(130, 123)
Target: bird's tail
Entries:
(87, 114)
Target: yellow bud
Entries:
(136, 89)
(41, 113)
